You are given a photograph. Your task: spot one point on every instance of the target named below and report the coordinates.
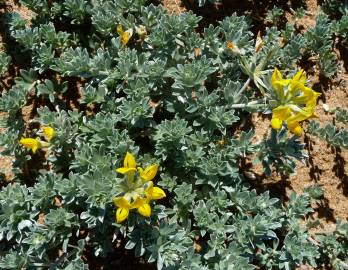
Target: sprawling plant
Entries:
(113, 80)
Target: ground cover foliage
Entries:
(109, 78)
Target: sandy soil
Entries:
(174, 6)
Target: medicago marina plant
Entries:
(136, 139)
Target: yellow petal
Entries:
(303, 95)
(300, 112)
(33, 144)
(139, 202)
(125, 36)
(300, 77)
(124, 39)
(124, 170)
(278, 83)
(279, 86)
(276, 123)
(49, 133)
(147, 186)
(120, 29)
(276, 76)
(298, 89)
(281, 112)
(149, 173)
(155, 193)
(304, 114)
(295, 128)
(313, 101)
(145, 210)
(314, 115)
(129, 161)
(121, 214)
(122, 202)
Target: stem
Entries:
(104, 73)
(130, 179)
(244, 86)
(343, 264)
(33, 85)
(254, 104)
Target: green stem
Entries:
(244, 86)
(343, 264)
(252, 104)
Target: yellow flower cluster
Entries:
(295, 102)
(35, 144)
(138, 191)
(124, 35)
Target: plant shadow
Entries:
(314, 171)
(339, 169)
(324, 211)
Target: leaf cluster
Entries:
(332, 134)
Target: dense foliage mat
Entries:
(137, 137)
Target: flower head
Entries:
(123, 208)
(49, 133)
(33, 144)
(138, 191)
(143, 206)
(129, 165)
(154, 193)
(149, 173)
(294, 101)
(124, 35)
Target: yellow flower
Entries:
(124, 35)
(154, 193)
(33, 144)
(280, 114)
(129, 165)
(295, 128)
(143, 206)
(137, 192)
(295, 102)
(141, 199)
(279, 83)
(49, 133)
(151, 193)
(293, 121)
(149, 173)
(276, 123)
(122, 211)
(124, 207)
